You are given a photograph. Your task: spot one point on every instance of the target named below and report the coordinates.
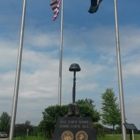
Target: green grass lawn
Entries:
(107, 137)
(30, 138)
(119, 137)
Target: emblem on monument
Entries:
(67, 135)
(81, 135)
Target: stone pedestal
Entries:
(74, 128)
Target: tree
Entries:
(27, 123)
(111, 113)
(21, 129)
(86, 101)
(87, 108)
(4, 122)
(50, 116)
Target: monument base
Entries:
(74, 128)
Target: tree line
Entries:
(110, 116)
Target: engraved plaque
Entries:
(74, 128)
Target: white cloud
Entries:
(129, 37)
(40, 39)
(132, 110)
(88, 87)
(131, 69)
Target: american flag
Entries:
(55, 4)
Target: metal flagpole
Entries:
(17, 78)
(120, 82)
(61, 53)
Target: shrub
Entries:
(99, 129)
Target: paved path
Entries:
(3, 138)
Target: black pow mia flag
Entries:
(94, 6)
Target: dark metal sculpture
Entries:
(73, 109)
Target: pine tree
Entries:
(111, 113)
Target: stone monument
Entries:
(73, 126)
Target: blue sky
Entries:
(89, 40)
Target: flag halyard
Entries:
(55, 4)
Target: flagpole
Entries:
(61, 53)
(17, 78)
(120, 81)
